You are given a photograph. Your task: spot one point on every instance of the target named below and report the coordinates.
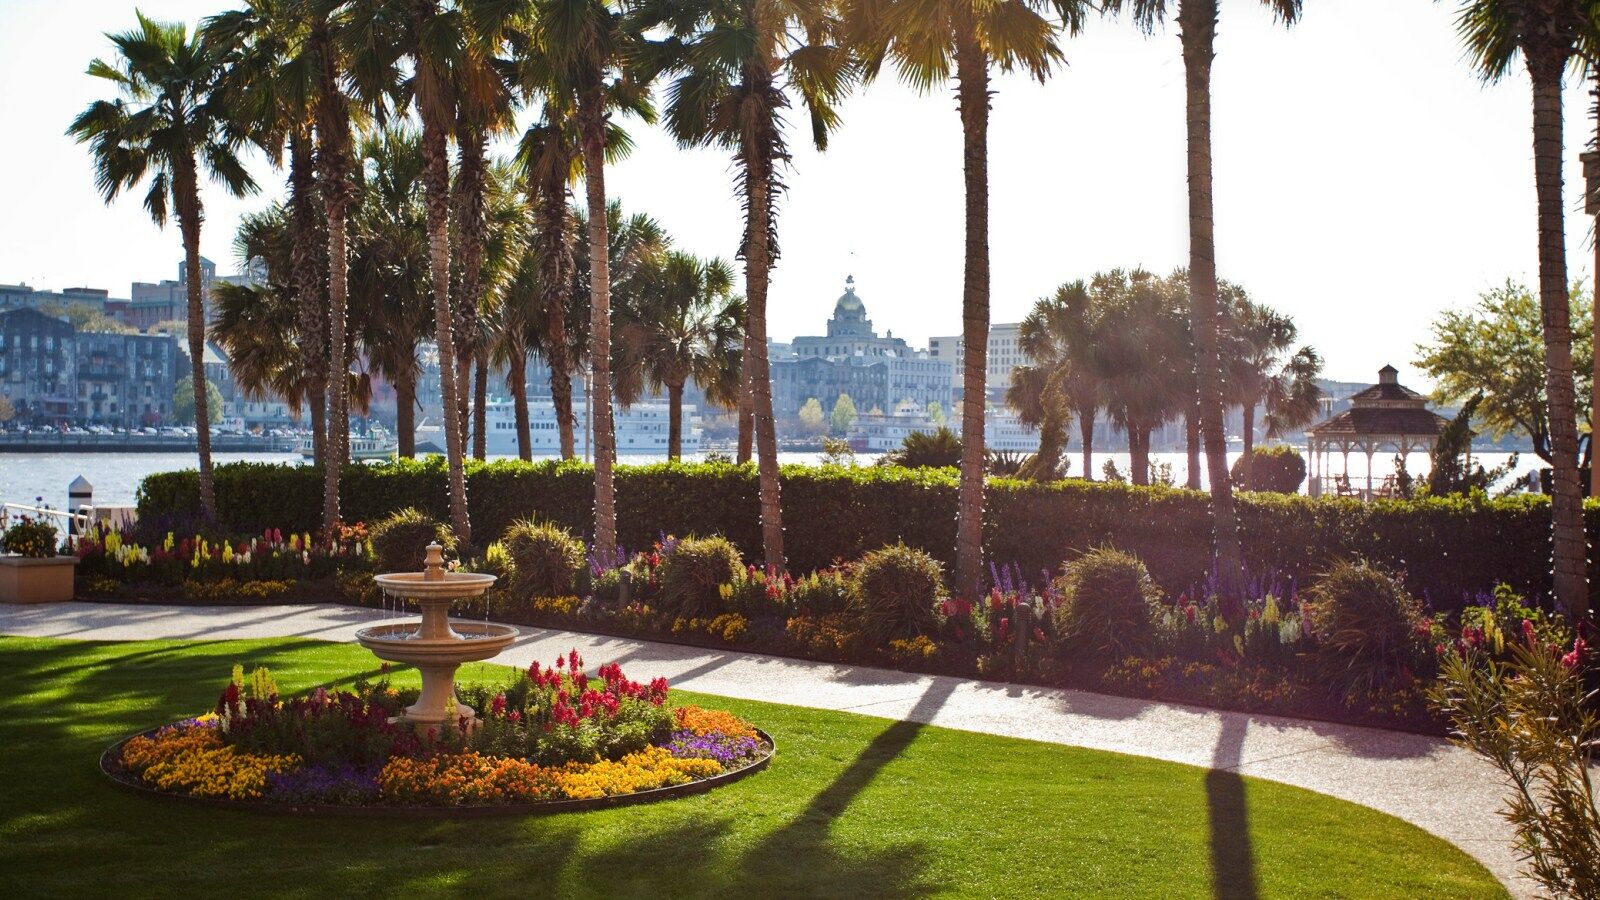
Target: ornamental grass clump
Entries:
(692, 575)
(1107, 603)
(400, 541)
(1370, 633)
(546, 559)
(896, 592)
(33, 538)
(1533, 718)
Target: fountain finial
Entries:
(433, 564)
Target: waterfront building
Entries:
(126, 380)
(879, 373)
(1005, 354)
(168, 300)
(20, 296)
(38, 366)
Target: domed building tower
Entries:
(850, 315)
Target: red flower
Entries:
(1572, 660)
(1527, 631)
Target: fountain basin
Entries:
(432, 584)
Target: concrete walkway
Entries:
(1423, 780)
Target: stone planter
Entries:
(27, 580)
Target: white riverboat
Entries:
(641, 429)
(378, 446)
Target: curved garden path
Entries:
(1423, 780)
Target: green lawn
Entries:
(852, 806)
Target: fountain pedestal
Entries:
(436, 646)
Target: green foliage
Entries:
(936, 414)
(841, 513)
(400, 541)
(1451, 473)
(1496, 349)
(34, 538)
(812, 418)
(896, 590)
(693, 573)
(1533, 718)
(86, 318)
(546, 559)
(844, 416)
(926, 450)
(183, 402)
(1279, 468)
(1108, 603)
(1370, 633)
(837, 452)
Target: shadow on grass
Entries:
(1233, 872)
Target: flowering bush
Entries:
(549, 733)
(34, 538)
(272, 556)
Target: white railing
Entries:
(83, 518)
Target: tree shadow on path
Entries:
(1233, 874)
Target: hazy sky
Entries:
(1365, 179)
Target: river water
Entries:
(29, 477)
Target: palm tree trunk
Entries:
(1197, 20)
(561, 400)
(674, 427)
(1086, 434)
(189, 218)
(432, 102)
(758, 163)
(517, 382)
(747, 408)
(591, 118)
(1138, 453)
(972, 77)
(480, 405)
(554, 248)
(311, 323)
(1248, 410)
(1191, 428)
(334, 163)
(1570, 553)
(405, 415)
(1594, 394)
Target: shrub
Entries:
(896, 591)
(34, 538)
(841, 513)
(545, 559)
(1368, 629)
(1533, 719)
(1279, 469)
(693, 573)
(923, 450)
(400, 542)
(1107, 603)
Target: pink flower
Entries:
(1527, 631)
(1574, 659)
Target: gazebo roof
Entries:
(1374, 422)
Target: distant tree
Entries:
(86, 318)
(837, 452)
(7, 411)
(844, 414)
(1496, 348)
(812, 419)
(1451, 472)
(173, 327)
(936, 413)
(183, 401)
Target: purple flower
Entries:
(342, 783)
(728, 751)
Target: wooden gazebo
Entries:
(1385, 416)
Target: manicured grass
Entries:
(852, 806)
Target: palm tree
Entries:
(738, 64)
(1546, 33)
(586, 42)
(929, 43)
(1262, 367)
(271, 78)
(1197, 24)
(168, 124)
(1139, 357)
(679, 327)
(389, 268)
(1062, 380)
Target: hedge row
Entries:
(1449, 548)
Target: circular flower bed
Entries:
(548, 739)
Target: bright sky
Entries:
(1365, 179)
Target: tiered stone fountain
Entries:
(437, 646)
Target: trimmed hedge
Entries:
(1447, 547)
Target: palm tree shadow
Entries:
(771, 869)
(1233, 874)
